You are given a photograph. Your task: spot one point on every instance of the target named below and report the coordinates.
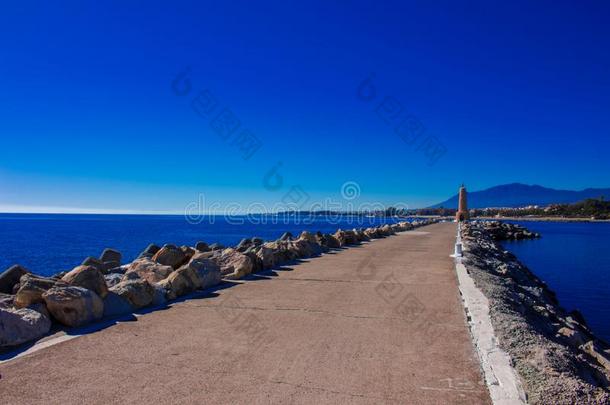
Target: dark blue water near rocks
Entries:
(47, 244)
(574, 260)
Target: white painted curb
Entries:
(501, 378)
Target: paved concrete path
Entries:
(379, 323)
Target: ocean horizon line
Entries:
(175, 214)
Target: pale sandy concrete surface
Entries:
(378, 323)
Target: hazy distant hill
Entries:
(519, 195)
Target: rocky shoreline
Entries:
(504, 231)
(103, 288)
(557, 357)
(543, 219)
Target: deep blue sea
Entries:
(48, 243)
(573, 258)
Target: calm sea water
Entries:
(574, 260)
(47, 244)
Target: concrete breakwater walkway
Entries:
(378, 323)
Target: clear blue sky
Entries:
(515, 92)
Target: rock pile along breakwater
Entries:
(499, 231)
(558, 359)
(103, 288)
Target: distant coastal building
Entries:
(462, 212)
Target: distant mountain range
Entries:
(520, 195)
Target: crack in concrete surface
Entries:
(314, 311)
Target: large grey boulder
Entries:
(395, 227)
(257, 262)
(180, 282)
(202, 247)
(351, 238)
(74, 306)
(233, 264)
(188, 251)
(22, 325)
(88, 277)
(332, 242)
(308, 236)
(406, 226)
(115, 305)
(148, 270)
(138, 292)
(31, 289)
(327, 241)
(386, 230)
(98, 264)
(281, 252)
(160, 296)
(170, 255)
(150, 251)
(360, 235)
(308, 244)
(371, 233)
(111, 255)
(267, 257)
(10, 277)
(301, 248)
(199, 273)
(244, 245)
(207, 272)
(339, 235)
